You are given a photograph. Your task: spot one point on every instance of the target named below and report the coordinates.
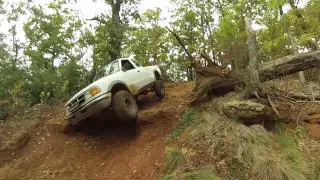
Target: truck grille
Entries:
(76, 103)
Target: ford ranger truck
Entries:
(116, 86)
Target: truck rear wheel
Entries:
(159, 89)
(125, 106)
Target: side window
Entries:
(126, 65)
(114, 67)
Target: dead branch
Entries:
(296, 95)
(96, 18)
(191, 58)
(273, 105)
(269, 70)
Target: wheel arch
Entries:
(117, 86)
(157, 75)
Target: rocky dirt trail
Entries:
(118, 153)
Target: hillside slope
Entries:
(117, 153)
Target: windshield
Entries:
(109, 69)
(137, 63)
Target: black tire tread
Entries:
(158, 86)
(120, 108)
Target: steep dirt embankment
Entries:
(117, 153)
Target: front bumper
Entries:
(89, 109)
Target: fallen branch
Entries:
(300, 96)
(269, 70)
(212, 79)
(298, 118)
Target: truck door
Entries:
(147, 77)
(132, 75)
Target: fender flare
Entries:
(154, 73)
(113, 83)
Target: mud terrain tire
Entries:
(159, 89)
(125, 106)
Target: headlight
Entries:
(92, 92)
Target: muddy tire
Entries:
(159, 89)
(125, 106)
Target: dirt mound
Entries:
(119, 152)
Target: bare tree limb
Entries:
(182, 45)
(96, 18)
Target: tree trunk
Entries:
(253, 85)
(295, 50)
(116, 32)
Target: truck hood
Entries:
(86, 89)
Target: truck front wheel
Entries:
(159, 89)
(125, 106)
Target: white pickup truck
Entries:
(116, 86)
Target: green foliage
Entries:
(57, 39)
(237, 169)
(277, 169)
(174, 159)
(316, 170)
(279, 126)
(187, 120)
(299, 132)
(50, 35)
(293, 156)
(51, 39)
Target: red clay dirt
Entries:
(118, 153)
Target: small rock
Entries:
(86, 144)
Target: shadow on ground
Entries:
(108, 124)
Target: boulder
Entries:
(248, 112)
